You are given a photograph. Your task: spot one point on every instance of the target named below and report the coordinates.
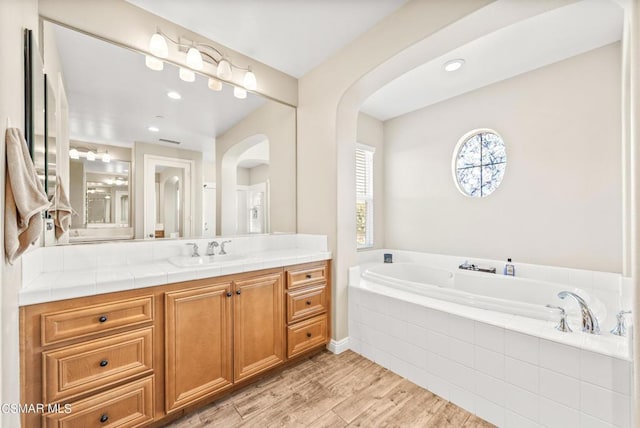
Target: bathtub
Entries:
(494, 292)
(487, 342)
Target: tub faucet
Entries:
(222, 251)
(589, 320)
(211, 246)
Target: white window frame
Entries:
(367, 197)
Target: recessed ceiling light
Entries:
(153, 129)
(453, 65)
(174, 95)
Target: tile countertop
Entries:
(52, 286)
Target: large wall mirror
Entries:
(151, 156)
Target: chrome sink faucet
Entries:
(211, 248)
(589, 321)
(222, 251)
(194, 253)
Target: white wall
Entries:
(371, 133)
(560, 201)
(278, 123)
(15, 15)
(329, 99)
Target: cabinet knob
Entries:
(104, 363)
(237, 291)
(308, 276)
(103, 318)
(308, 302)
(229, 294)
(308, 334)
(104, 418)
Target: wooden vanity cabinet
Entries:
(142, 357)
(198, 343)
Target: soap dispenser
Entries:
(509, 268)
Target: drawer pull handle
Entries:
(104, 363)
(237, 291)
(103, 318)
(308, 276)
(308, 302)
(308, 334)
(104, 418)
(229, 294)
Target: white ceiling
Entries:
(293, 36)
(113, 98)
(529, 44)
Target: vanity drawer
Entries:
(306, 276)
(77, 323)
(130, 405)
(306, 335)
(81, 368)
(305, 303)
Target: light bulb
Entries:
(153, 129)
(187, 75)
(106, 158)
(74, 154)
(194, 58)
(91, 156)
(240, 93)
(250, 81)
(153, 63)
(214, 84)
(174, 95)
(158, 46)
(224, 69)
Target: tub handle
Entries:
(562, 325)
(621, 328)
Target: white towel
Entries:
(24, 198)
(62, 210)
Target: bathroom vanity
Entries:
(148, 355)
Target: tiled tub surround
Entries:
(68, 271)
(510, 370)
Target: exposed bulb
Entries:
(91, 156)
(224, 69)
(158, 46)
(214, 84)
(194, 58)
(106, 158)
(74, 154)
(187, 75)
(240, 93)
(250, 81)
(153, 63)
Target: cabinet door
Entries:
(258, 325)
(198, 343)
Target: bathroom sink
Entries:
(187, 261)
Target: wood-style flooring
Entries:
(328, 390)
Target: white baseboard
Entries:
(339, 346)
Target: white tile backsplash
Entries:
(522, 402)
(522, 346)
(555, 415)
(560, 388)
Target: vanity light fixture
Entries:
(187, 75)
(91, 156)
(239, 92)
(250, 81)
(454, 64)
(74, 154)
(153, 63)
(196, 56)
(214, 84)
(158, 45)
(153, 129)
(174, 95)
